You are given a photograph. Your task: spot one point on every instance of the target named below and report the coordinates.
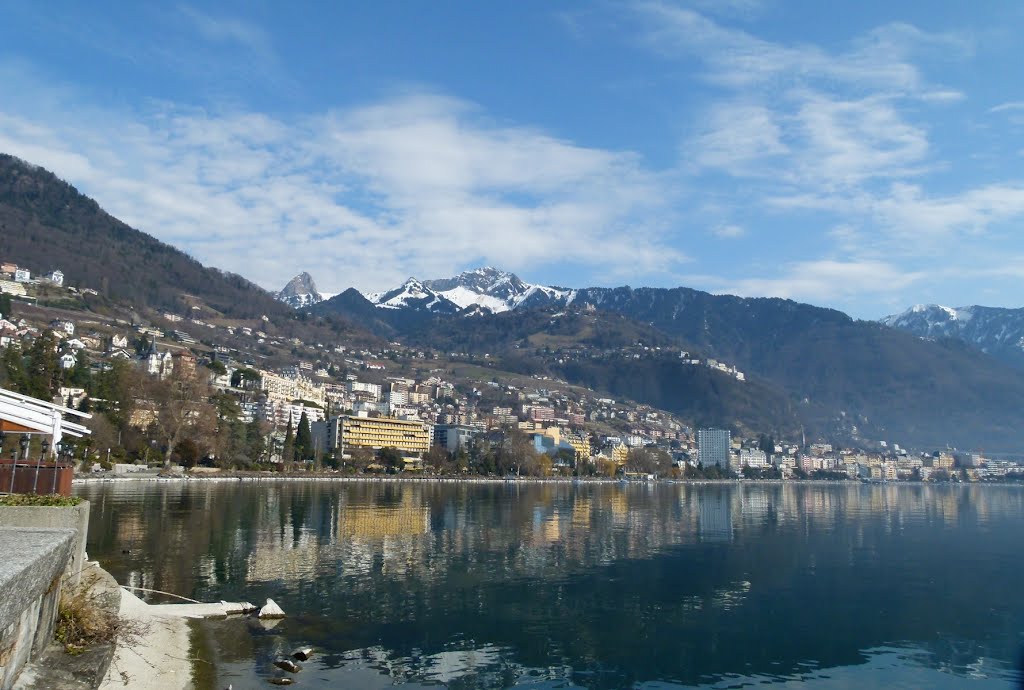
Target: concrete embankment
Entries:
(156, 655)
(52, 517)
(33, 564)
(55, 668)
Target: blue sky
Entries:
(864, 156)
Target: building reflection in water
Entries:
(440, 578)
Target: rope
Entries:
(157, 591)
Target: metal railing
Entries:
(27, 477)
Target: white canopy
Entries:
(34, 416)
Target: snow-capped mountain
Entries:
(301, 292)
(995, 330)
(414, 295)
(487, 288)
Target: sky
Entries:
(865, 156)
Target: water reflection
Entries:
(595, 586)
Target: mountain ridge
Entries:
(848, 379)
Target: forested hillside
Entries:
(45, 223)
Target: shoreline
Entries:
(603, 481)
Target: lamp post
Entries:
(39, 462)
(63, 451)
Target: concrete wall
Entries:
(31, 570)
(47, 517)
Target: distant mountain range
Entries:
(848, 378)
(840, 378)
(993, 330)
(482, 288)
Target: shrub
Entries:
(39, 500)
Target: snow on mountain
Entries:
(301, 292)
(495, 290)
(464, 297)
(413, 294)
(995, 330)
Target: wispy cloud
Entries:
(227, 29)
(1012, 106)
(737, 138)
(735, 58)
(836, 137)
(829, 279)
(729, 231)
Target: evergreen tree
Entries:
(80, 375)
(256, 443)
(12, 369)
(303, 439)
(142, 345)
(43, 368)
(288, 453)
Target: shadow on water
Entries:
(493, 585)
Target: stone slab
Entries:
(49, 517)
(32, 565)
(30, 560)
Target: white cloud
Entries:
(738, 138)
(417, 185)
(828, 279)
(822, 142)
(848, 141)
(737, 59)
(729, 231)
(1011, 106)
(831, 137)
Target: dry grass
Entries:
(84, 622)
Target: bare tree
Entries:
(182, 408)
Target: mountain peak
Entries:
(493, 289)
(300, 292)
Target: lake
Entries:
(560, 585)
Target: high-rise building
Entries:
(713, 446)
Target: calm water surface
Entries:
(588, 586)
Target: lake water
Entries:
(474, 585)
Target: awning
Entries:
(25, 415)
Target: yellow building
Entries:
(408, 436)
(619, 454)
(580, 443)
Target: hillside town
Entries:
(352, 408)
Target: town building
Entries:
(453, 437)
(346, 433)
(713, 446)
(753, 457)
